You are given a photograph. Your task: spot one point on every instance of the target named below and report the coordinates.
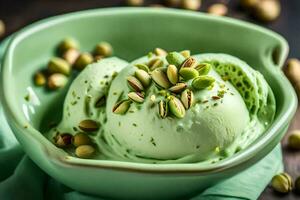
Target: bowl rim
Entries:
(19, 121)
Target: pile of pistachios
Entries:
(171, 80)
(69, 57)
(81, 143)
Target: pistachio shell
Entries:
(83, 60)
(84, 151)
(163, 109)
(104, 49)
(282, 183)
(172, 74)
(155, 63)
(176, 107)
(189, 62)
(202, 82)
(71, 55)
(63, 140)
(136, 97)
(175, 58)
(179, 87)
(88, 125)
(56, 81)
(144, 77)
(135, 84)
(191, 4)
(121, 107)
(294, 140)
(160, 78)
(58, 65)
(142, 67)
(188, 73)
(68, 43)
(187, 98)
(203, 68)
(81, 139)
(160, 52)
(186, 53)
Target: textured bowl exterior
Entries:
(133, 32)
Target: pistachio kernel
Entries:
(267, 10)
(142, 67)
(68, 43)
(179, 87)
(282, 183)
(135, 84)
(163, 109)
(39, 79)
(203, 68)
(84, 151)
(218, 9)
(143, 77)
(189, 62)
(187, 98)
(186, 53)
(121, 107)
(172, 74)
(160, 52)
(188, 73)
(294, 140)
(160, 78)
(175, 58)
(56, 81)
(71, 55)
(101, 101)
(58, 65)
(202, 82)
(83, 60)
(81, 139)
(155, 63)
(63, 140)
(191, 4)
(103, 49)
(88, 125)
(176, 107)
(136, 97)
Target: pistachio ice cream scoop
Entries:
(169, 107)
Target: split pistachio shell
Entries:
(186, 53)
(189, 62)
(88, 125)
(294, 140)
(68, 43)
(142, 67)
(135, 84)
(58, 65)
(282, 183)
(188, 73)
(63, 140)
(203, 68)
(160, 52)
(121, 107)
(179, 87)
(172, 74)
(85, 151)
(81, 139)
(143, 77)
(39, 79)
(202, 82)
(163, 109)
(187, 98)
(155, 63)
(71, 55)
(103, 49)
(160, 78)
(56, 81)
(83, 60)
(176, 107)
(175, 58)
(136, 97)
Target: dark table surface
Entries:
(19, 13)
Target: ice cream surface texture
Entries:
(202, 108)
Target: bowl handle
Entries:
(279, 52)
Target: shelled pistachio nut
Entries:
(66, 44)
(203, 68)
(136, 97)
(175, 58)
(142, 67)
(282, 183)
(56, 81)
(88, 125)
(155, 63)
(187, 98)
(70, 55)
(85, 151)
(103, 49)
(202, 82)
(135, 84)
(160, 52)
(176, 107)
(63, 140)
(179, 87)
(81, 139)
(143, 77)
(188, 73)
(163, 109)
(186, 53)
(160, 78)
(83, 60)
(121, 107)
(58, 65)
(294, 140)
(39, 79)
(172, 74)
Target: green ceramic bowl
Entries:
(133, 32)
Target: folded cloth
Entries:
(21, 179)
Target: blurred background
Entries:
(281, 16)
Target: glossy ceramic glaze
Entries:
(133, 33)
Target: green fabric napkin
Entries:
(20, 178)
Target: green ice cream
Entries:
(223, 118)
